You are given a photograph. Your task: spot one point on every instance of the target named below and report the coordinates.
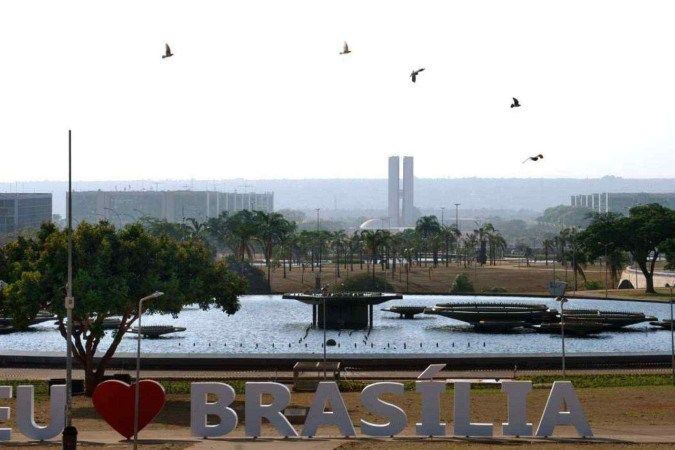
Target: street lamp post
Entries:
(457, 215)
(606, 264)
(562, 301)
(324, 337)
(69, 436)
(672, 332)
(137, 391)
(319, 237)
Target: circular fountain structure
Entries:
(344, 310)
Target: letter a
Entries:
(328, 393)
(552, 416)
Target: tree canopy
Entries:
(112, 270)
(645, 234)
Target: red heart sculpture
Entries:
(114, 401)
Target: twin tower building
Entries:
(401, 210)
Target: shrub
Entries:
(461, 285)
(362, 283)
(257, 282)
(593, 285)
(495, 290)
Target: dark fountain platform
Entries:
(343, 310)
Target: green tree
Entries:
(427, 227)
(372, 241)
(271, 230)
(668, 247)
(449, 235)
(242, 228)
(644, 234)
(113, 269)
(461, 285)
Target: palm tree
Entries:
(271, 230)
(496, 244)
(469, 246)
(427, 227)
(337, 241)
(449, 235)
(548, 244)
(355, 245)
(243, 228)
(372, 241)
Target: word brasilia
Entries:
(328, 409)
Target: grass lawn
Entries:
(514, 278)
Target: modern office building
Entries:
(123, 207)
(20, 211)
(401, 209)
(621, 202)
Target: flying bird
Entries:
(167, 52)
(516, 103)
(414, 74)
(345, 49)
(534, 158)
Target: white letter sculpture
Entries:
(462, 408)
(328, 392)
(255, 410)
(5, 433)
(201, 408)
(26, 419)
(371, 401)
(516, 393)
(431, 424)
(562, 391)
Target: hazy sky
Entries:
(257, 89)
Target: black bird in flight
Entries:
(516, 103)
(167, 52)
(345, 49)
(414, 74)
(534, 158)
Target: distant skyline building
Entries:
(401, 202)
(124, 207)
(20, 211)
(621, 202)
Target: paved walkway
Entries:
(644, 434)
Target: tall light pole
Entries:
(137, 391)
(457, 215)
(606, 263)
(69, 436)
(317, 235)
(324, 337)
(562, 301)
(672, 332)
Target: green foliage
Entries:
(255, 278)
(644, 233)
(568, 216)
(461, 285)
(495, 290)
(592, 285)
(362, 283)
(603, 380)
(668, 247)
(113, 269)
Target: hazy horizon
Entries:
(258, 90)
(533, 194)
